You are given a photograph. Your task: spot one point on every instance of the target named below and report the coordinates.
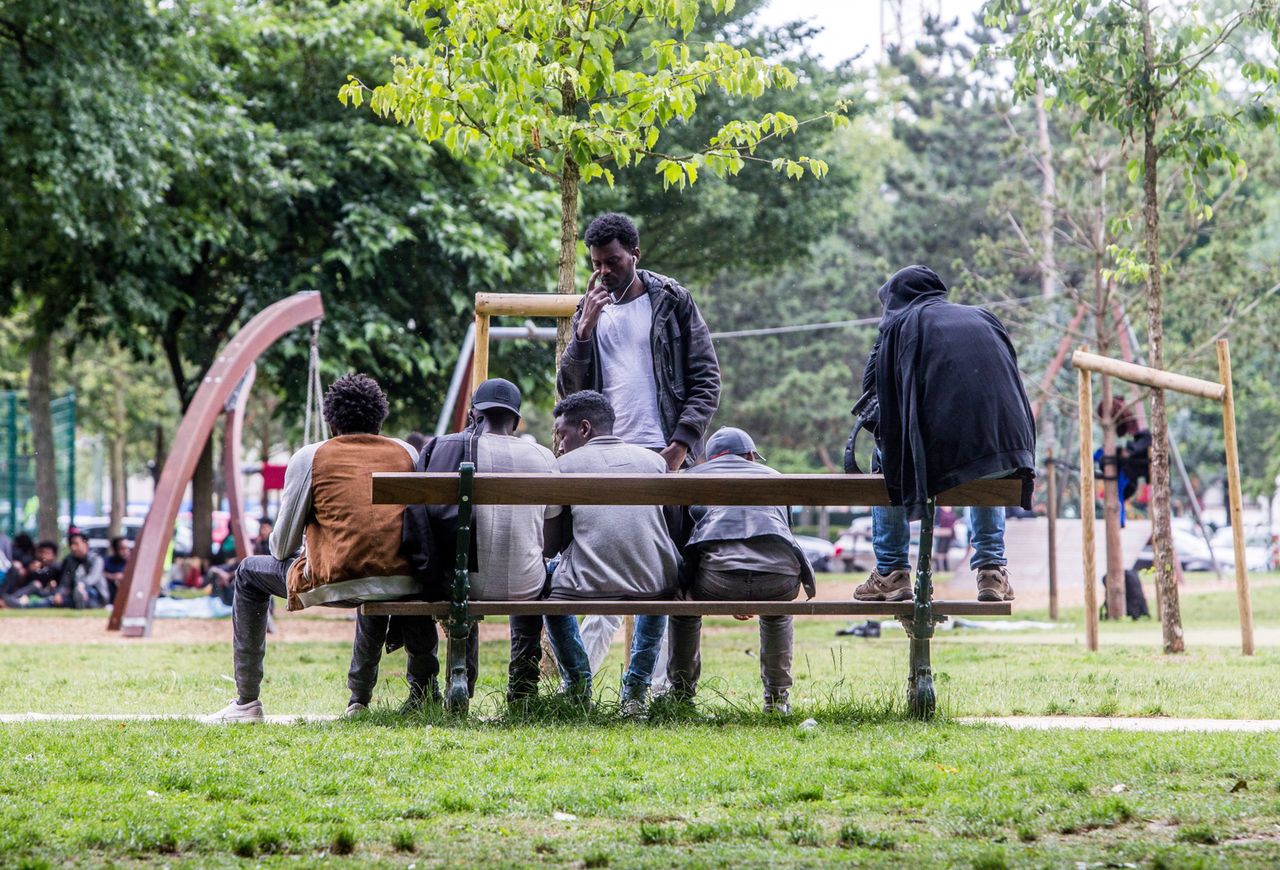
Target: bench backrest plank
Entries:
(673, 489)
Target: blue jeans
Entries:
(891, 537)
(566, 643)
(644, 655)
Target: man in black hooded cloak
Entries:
(952, 409)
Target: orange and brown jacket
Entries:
(348, 549)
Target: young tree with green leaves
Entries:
(1144, 73)
(564, 89)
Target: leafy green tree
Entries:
(562, 89)
(1143, 73)
(82, 167)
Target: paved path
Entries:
(1122, 723)
(1037, 723)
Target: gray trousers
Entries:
(776, 634)
(260, 577)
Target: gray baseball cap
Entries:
(729, 439)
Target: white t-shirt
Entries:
(626, 366)
(509, 546)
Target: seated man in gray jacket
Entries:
(740, 554)
(612, 551)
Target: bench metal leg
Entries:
(457, 698)
(921, 697)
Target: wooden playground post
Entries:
(1234, 498)
(1051, 505)
(1087, 494)
(1085, 363)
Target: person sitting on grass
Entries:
(82, 584)
(117, 561)
(613, 551)
(352, 549)
(740, 554)
(40, 580)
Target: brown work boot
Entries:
(895, 586)
(993, 584)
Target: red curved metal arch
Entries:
(141, 584)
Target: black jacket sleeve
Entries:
(416, 542)
(702, 375)
(577, 362)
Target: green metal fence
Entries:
(17, 461)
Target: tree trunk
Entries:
(1048, 195)
(568, 225)
(39, 406)
(116, 464)
(1161, 519)
(202, 504)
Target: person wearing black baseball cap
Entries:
(740, 554)
(507, 557)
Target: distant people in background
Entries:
(82, 584)
(944, 536)
(23, 548)
(416, 440)
(22, 552)
(113, 567)
(261, 545)
(39, 579)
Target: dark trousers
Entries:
(257, 579)
(417, 633)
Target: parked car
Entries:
(95, 529)
(1192, 552)
(817, 551)
(1257, 548)
(853, 548)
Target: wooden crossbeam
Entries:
(813, 607)
(810, 490)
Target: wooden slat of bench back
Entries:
(673, 489)
(814, 607)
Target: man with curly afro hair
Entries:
(330, 546)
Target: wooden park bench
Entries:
(467, 488)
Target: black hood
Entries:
(910, 285)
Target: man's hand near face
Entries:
(674, 454)
(597, 298)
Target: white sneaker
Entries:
(354, 709)
(234, 712)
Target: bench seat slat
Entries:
(672, 489)
(559, 607)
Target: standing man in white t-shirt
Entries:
(639, 339)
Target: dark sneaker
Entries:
(993, 584)
(895, 586)
(777, 704)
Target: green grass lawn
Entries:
(717, 786)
